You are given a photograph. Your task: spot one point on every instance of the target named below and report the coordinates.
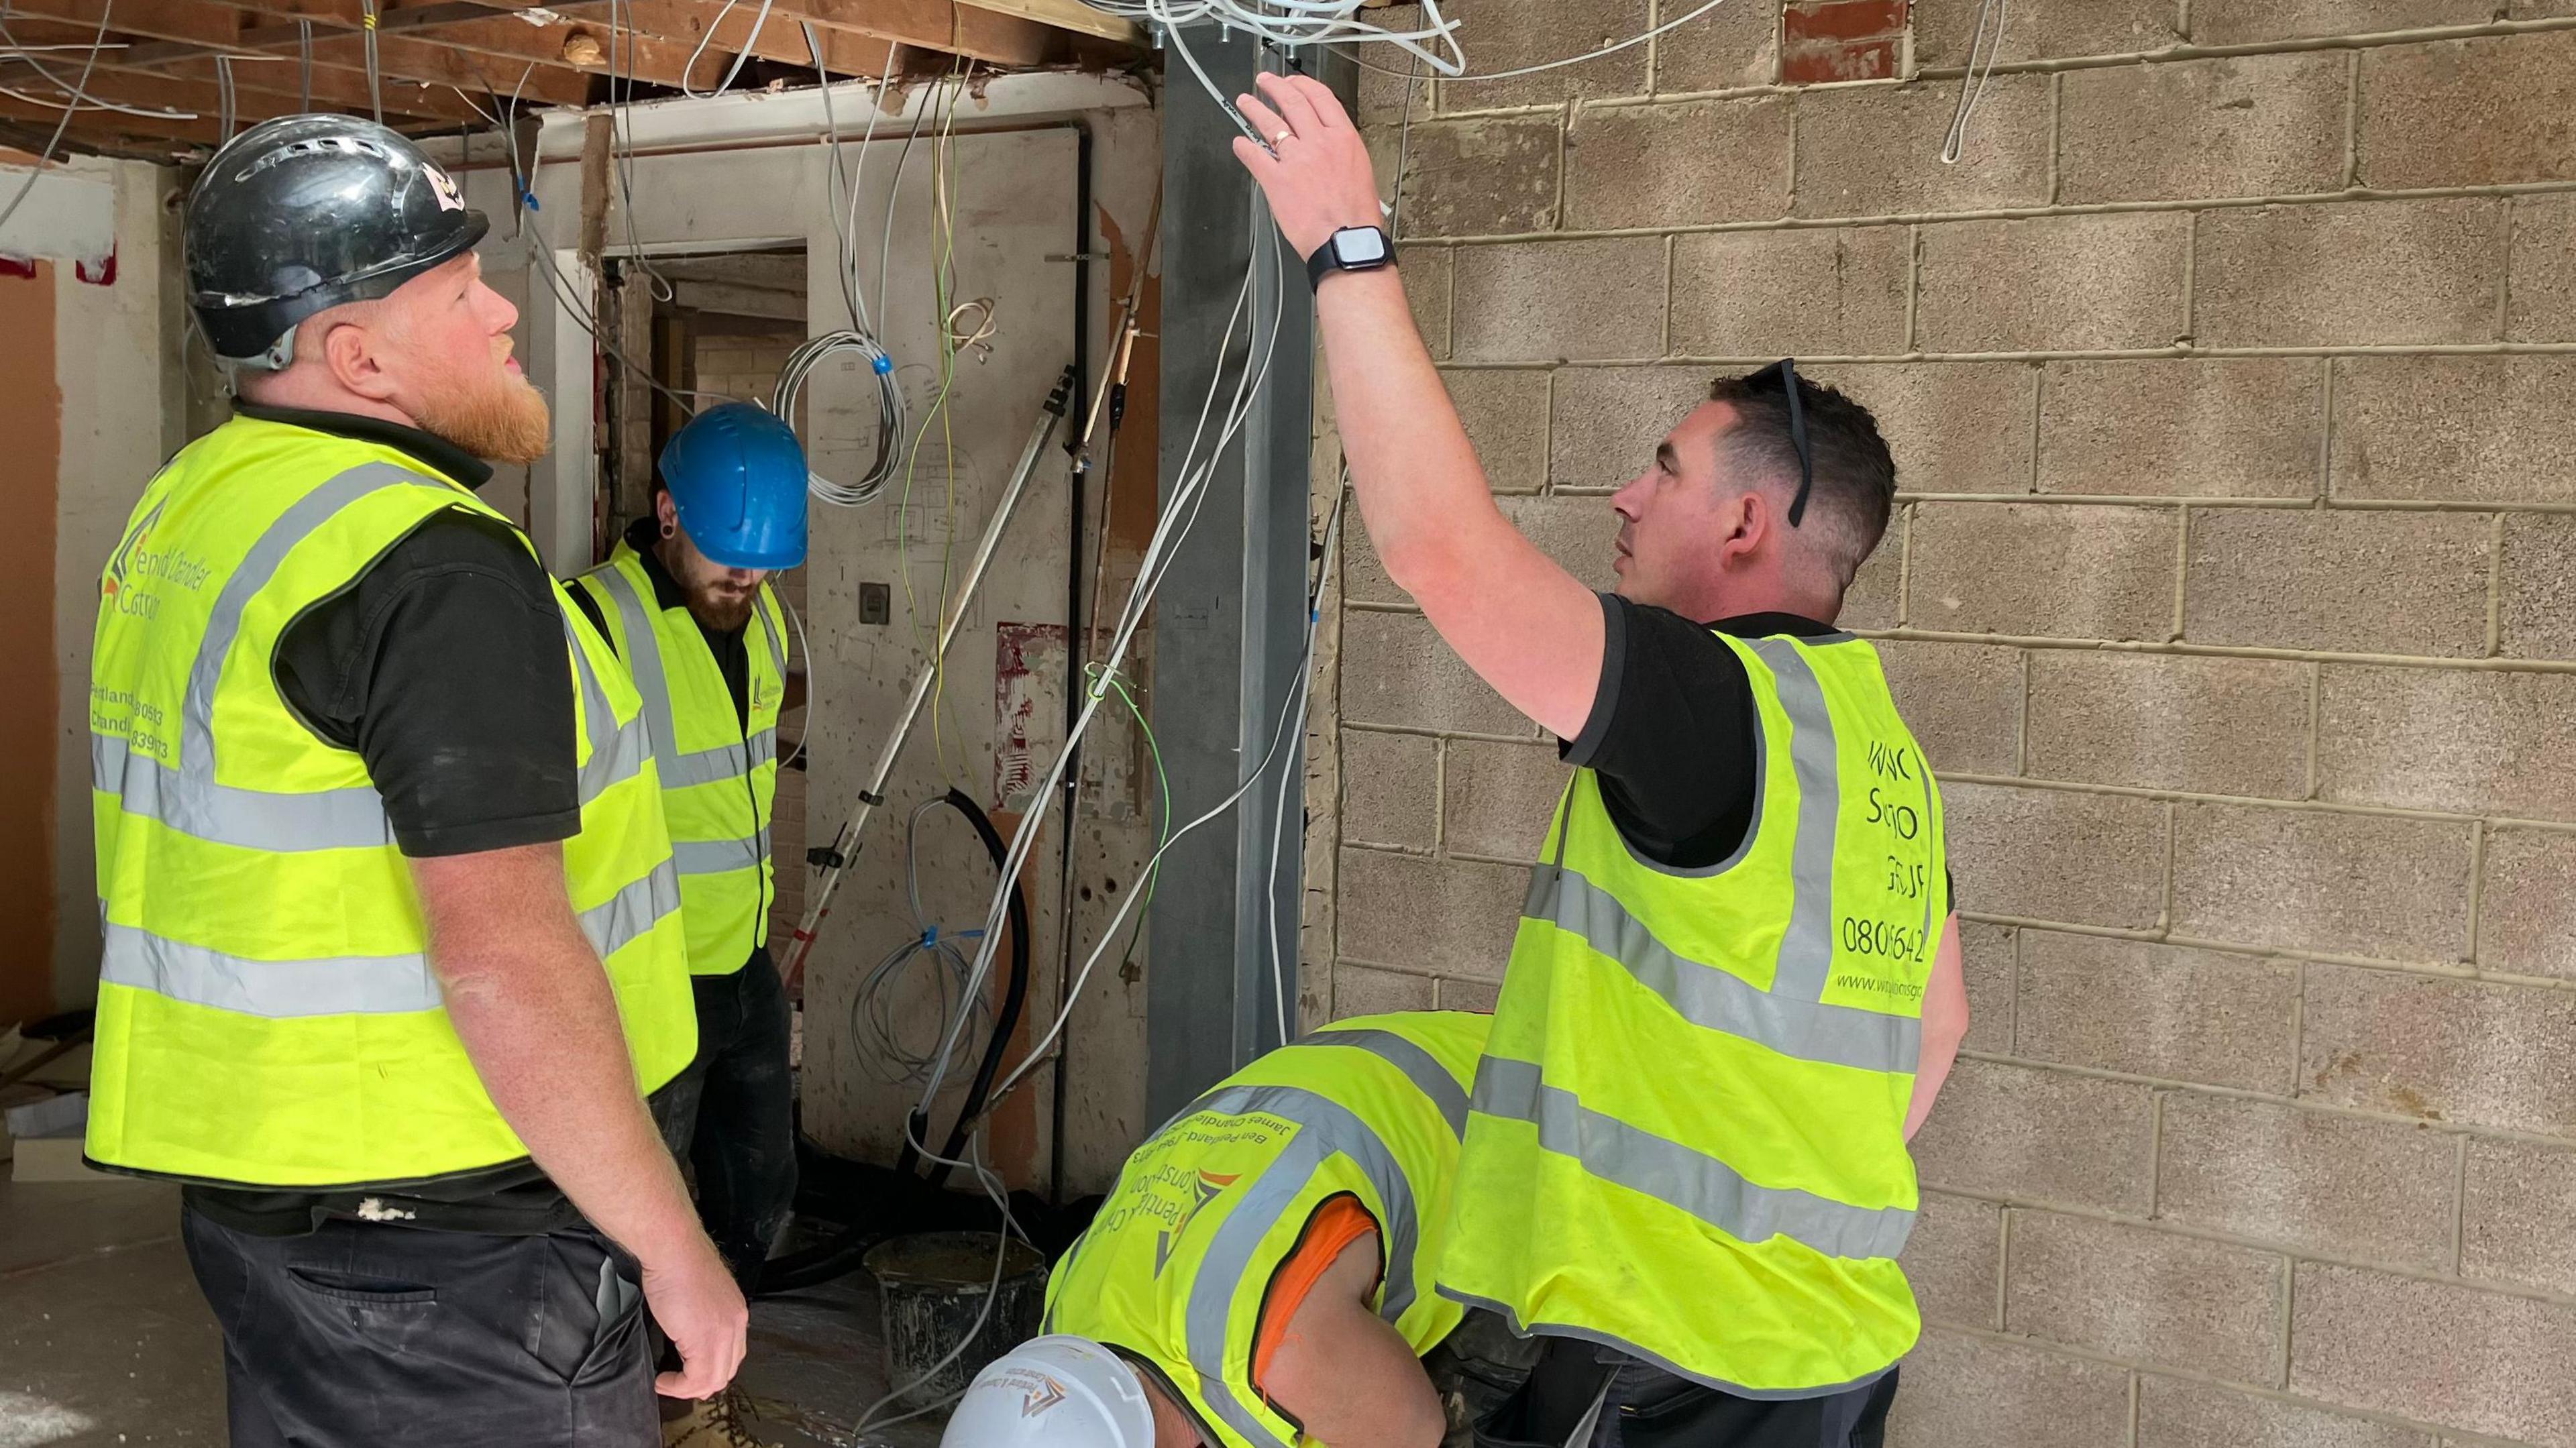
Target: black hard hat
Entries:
(304, 213)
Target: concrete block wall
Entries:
(2228, 371)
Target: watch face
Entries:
(1359, 246)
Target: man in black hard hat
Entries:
(394, 961)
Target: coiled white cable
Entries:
(893, 419)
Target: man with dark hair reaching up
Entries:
(1736, 987)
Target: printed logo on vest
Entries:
(136, 565)
(1208, 1188)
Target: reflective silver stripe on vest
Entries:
(255, 819)
(1418, 1065)
(347, 985)
(632, 911)
(1324, 1127)
(769, 631)
(1720, 1000)
(187, 799)
(1807, 949)
(617, 752)
(1678, 1176)
(644, 657)
(721, 857)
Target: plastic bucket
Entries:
(931, 1289)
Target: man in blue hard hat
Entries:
(684, 598)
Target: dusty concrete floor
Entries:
(104, 1340)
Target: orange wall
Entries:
(31, 405)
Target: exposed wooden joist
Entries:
(926, 24)
(1070, 15)
(549, 39)
(333, 88)
(108, 128)
(185, 29)
(685, 21)
(203, 98)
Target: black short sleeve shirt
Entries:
(444, 664)
(1674, 735)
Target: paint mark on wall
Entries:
(1028, 709)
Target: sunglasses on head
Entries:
(1798, 438)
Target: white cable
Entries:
(893, 418)
(1180, 514)
(757, 25)
(95, 104)
(872, 1018)
(78, 92)
(1300, 700)
(813, 708)
(1972, 85)
(1290, 23)
(992, 1186)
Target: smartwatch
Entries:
(1353, 248)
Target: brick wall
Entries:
(2230, 376)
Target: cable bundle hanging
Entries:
(892, 418)
(1306, 22)
(872, 1008)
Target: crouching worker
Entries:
(1261, 1274)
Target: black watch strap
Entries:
(1327, 260)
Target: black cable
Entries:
(828, 1260)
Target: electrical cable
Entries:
(1972, 84)
(813, 709)
(1291, 23)
(62, 127)
(872, 1009)
(94, 104)
(304, 66)
(1180, 515)
(757, 25)
(892, 419)
(1303, 698)
(375, 77)
(224, 93)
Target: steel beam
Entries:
(1230, 622)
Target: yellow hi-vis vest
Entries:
(1687, 1136)
(267, 1014)
(1174, 1269)
(719, 777)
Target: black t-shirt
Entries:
(444, 666)
(1673, 734)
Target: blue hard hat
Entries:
(737, 477)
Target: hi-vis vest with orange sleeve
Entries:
(1687, 1138)
(1176, 1268)
(267, 1015)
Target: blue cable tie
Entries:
(883, 364)
(529, 198)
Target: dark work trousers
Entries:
(375, 1335)
(743, 1143)
(1503, 1392)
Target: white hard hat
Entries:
(1053, 1392)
